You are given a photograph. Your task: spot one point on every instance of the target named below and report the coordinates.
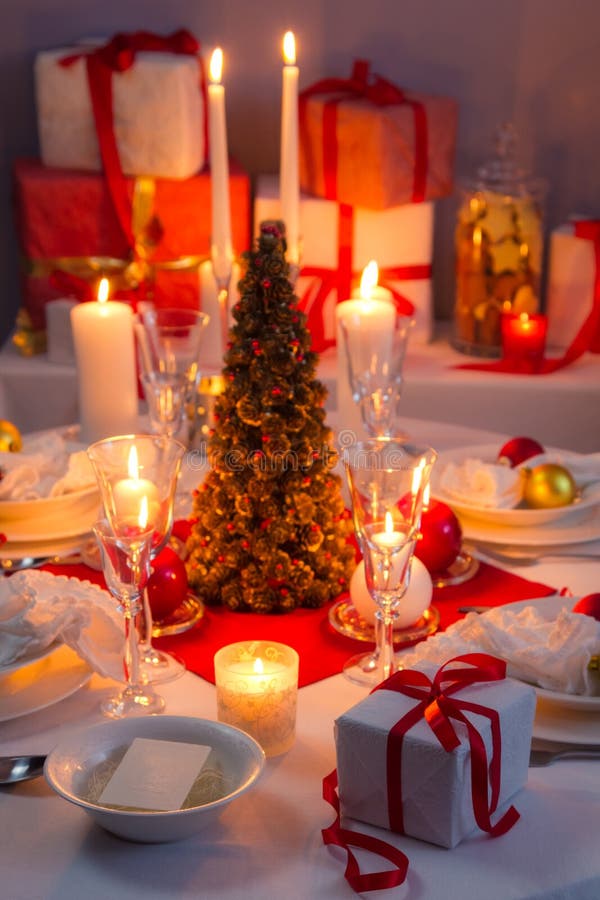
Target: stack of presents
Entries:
(122, 188)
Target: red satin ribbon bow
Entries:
(118, 55)
(380, 92)
(437, 704)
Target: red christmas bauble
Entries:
(589, 606)
(519, 449)
(441, 537)
(167, 585)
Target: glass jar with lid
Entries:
(498, 245)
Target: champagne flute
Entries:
(125, 555)
(127, 468)
(387, 480)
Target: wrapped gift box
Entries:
(66, 224)
(436, 785)
(376, 150)
(399, 239)
(158, 114)
(570, 291)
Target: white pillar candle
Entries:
(221, 247)
(289, 173)
(131, 493)
(257, 689)
(106, 368)
(369, 317)
(412, 606)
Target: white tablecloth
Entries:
(560, 410)
(268, 844)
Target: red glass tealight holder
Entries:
(524, 340)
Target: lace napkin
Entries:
(44, 468)
(553, 654)
(38, 609)
(483, 484)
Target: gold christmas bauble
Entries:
(548, 486)
(10, 437)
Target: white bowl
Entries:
(79, 766)
(66, 515)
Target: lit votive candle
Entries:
(524, 340)
(257, 689)
(128, 493)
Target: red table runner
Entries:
(322, 650)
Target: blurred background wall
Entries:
(534, 62)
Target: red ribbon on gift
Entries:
(118, 55)
(588, 336)
(436, 704)
(380, 92)
(312, 301)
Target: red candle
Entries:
(524, 340)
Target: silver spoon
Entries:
(34, 562)
(20, 768)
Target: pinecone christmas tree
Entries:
(271, 532)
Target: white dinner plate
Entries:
(70, 519)
(28, 658)
(22, 549)
(584, 526)
(42, 683)
(568, 726)
(518, 517)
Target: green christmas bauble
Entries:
(549, 486)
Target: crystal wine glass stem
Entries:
(223, 299)
(386, 634)
(131, 659)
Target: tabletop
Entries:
(268, 843)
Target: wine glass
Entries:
(127, 468)
(125, 555)
(387, 479)
(169, 342)
(375, 337)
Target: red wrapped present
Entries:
(70, 236)
(366, 142)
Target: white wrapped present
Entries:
(570, 291)
(433, 801)
(158, 114)
(399, 238)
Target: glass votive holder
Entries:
(524, 340)
(257, 690)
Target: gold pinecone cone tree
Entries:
(270, 531)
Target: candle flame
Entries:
(389, 523)
(143, 516)
(258, 667)
(524, 317)
(132, 463)
(216, 65)
(103, 290)
(477, 237)
(369, 279)
(289, 48)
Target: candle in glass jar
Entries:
(257, 687)
(524, 340)
(106, 367)
(289, 187)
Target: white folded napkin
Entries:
(38, 608)
(584, 467)
(483, 484)
(44, 468)
(553, 653)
